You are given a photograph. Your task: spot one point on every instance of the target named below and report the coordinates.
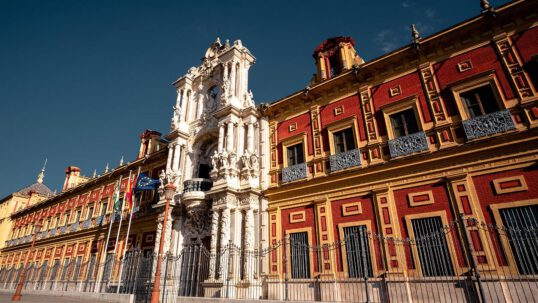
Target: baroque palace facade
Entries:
(412, 177)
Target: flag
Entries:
(117, 200)
(129, 195)
(146, 183)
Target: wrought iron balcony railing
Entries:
(87, 223)
(197, 184)
(28, 239)
(488, 125)
(99, 220)
(53, 232)
(406, 145)
(63, 230)
(294, 172)
(350, 158)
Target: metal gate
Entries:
(142, 279)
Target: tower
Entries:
(216, 157)
(334, 56)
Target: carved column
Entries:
(221, 138)
(232, 80)
(200, 101)
(250, 137)
(183, 105)
(213, 244)
(250, 260)
(240, 139)
(230, 137)
(224, 241)
(225, 77)
(171, 147)
(177, 156)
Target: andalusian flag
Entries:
(117, 200)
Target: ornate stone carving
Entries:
(294, 172)
(345, 160)
(489, 124)
(408, 144)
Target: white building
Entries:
(217, 159)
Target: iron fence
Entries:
(461, 261)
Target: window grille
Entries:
(299, 256)
(431, 243)
(521, 227)
(357, 252)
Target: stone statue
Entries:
(245, 159)
(214, 161)
(224, 159)
(254, 161)
(233, 160)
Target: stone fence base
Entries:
(103, 297)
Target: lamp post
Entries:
(17, 296)
(169, 190)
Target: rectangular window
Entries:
(77, 218)
(103, 210)
(90, 213)
(295, 154)
(77, 267)
(404, 123)
(521, 228)
(299, 256)
(64, 269)
(432, 247)
(480, 101)
(343, 141)
(67, 219)
(54, 271)
(357, 252)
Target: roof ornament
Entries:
(416, 37)
(41, 174)
(106, 169)
(94, 175)
(121, 161)
(486, 7)
(306, 90)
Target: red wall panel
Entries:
(304, 125)
(482, 59)
(441, 203)
(351, 106)
(368, 214)
(310, 221)
(410, 85)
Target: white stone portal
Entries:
(217, 159)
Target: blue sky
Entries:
(80, 80)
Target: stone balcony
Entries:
(407, 145)
(487, 125)
(294, 172)
(348, 159)
(194, 192)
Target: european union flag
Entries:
(146, 183)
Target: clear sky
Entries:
(80, 80)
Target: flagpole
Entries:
(109, 232)
(131, 187)
(119, 225)
(98, 253)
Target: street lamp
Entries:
(169, 191)
(17, 296)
